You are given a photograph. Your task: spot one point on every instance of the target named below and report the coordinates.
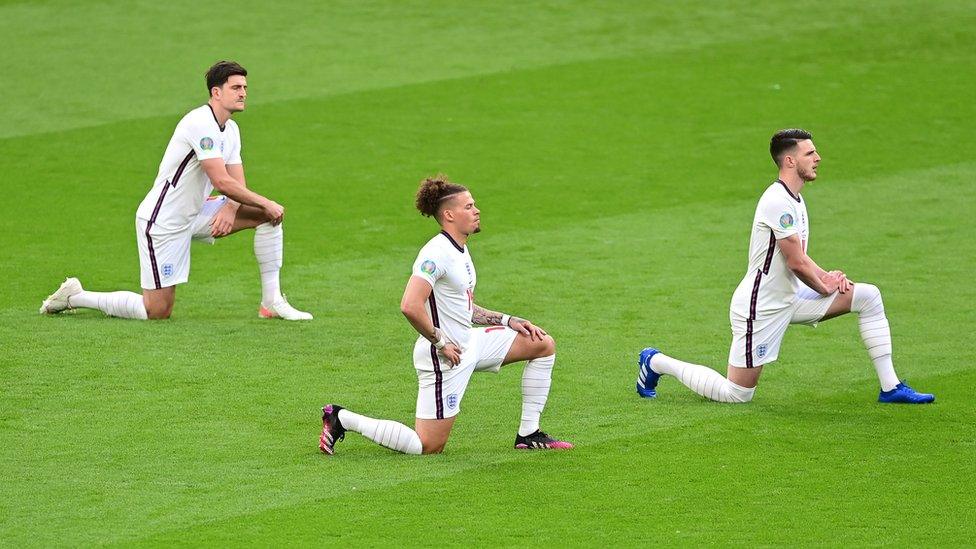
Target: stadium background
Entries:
(616, 151)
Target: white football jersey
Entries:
(769, 285)
(448, 268)
(182, 185)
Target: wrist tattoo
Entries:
(484, 317)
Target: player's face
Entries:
(233, 93)
(807, 159)
(465, 215)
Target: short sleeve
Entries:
(203, 139)
(780, 215)
(429, 266)
(235, 148)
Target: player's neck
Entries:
(459, 238)
(793, 182)
(221, 114)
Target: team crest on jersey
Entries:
(428, 267)
(206, 144)
(761, 350)
(452, 401)
(167, 270)
(786, 221)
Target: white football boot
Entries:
(58, 301)
(281, 309)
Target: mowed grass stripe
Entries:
(102, 51)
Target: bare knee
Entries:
(433, 449)
(433, 445)
(548, 346)
(158, 303)
(159, 313)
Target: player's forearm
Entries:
(484, 317)
(807, 271)
(235, 190)
(418, 318)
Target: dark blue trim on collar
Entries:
(457, 246)
(788, 191)
(215, 118)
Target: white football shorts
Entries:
(164, 257)
(757, 342)
(442, 388)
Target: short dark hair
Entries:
(433, 191)
(218, 74)
(785, 140)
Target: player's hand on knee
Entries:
(832, 281)
(844, 284)
(274, 211)
(526, 328)
(452, 353)
(222, 223)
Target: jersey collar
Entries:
(788, 191)
(454, 243)
(215, 118)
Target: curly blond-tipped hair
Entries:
(433, 191)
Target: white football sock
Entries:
(702, 380)
(269, 244)
(386, 433)
(118, 304)
(875, 332)
(536, 380)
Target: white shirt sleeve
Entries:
(780, 215)
(429, 266)
(203, 139)
(235, 147)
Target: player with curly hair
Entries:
(439, 303)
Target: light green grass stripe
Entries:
(95, 63)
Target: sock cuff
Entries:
(740, 393)
(544, 360)
(268, 228)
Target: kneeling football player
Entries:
(439, 303)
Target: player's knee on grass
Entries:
(433, 445)
(159, 313)
(158, 306)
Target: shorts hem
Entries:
(434, 416)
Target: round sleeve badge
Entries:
(428, 267)
(786, 221)
(207, 144)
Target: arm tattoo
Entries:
(484, 317)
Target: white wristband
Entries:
(505, 319)
(441, 341)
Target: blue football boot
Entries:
(646, 377)
(903, 394)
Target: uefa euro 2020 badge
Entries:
(206, 144)
(428, 267)
(786, 221)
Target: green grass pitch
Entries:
(617, 151)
